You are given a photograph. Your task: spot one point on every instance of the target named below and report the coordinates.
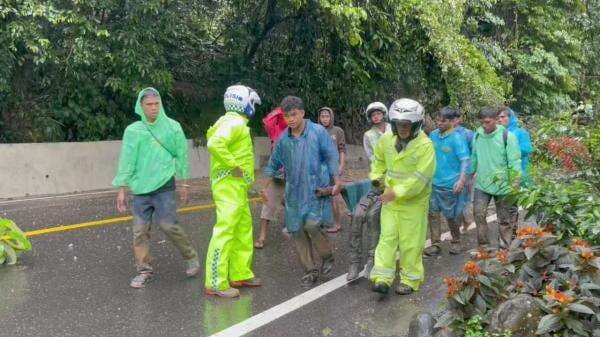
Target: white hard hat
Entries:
(376, 106)
(406, 109)
(241, 99)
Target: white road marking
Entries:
(74, 195)
(259, 320)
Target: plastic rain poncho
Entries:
(495, 162)
(371, 137)
(145, 164)
(310, 162)
(524, 144)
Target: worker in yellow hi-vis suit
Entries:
(404, 161)
(229, 256)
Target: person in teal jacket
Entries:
(496, 161)
(448, 197)
(153, 152)
(508, 118)
(229, 256)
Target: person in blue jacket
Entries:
(508, 118)
(466, 218)
(310, 161)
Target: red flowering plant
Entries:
(587, 257)
(552, 264)
(571, 289)
(563, 278)
(562, 144)
(569, 152)
(474, 292)
(566, 187)
(570, 309)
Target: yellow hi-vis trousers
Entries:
(404, 230)
(229, 256)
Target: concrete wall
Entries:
(56, 168)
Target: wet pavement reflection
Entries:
(76, 283)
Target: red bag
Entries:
(275, 124)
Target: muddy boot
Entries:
(250, 283)
(309, 279)
(369, 266)
(403, 289)
(455, 248)
(433, 250)
(353, 272)
(381, 288)
(327, 265)
(140, 280)
(192, 267)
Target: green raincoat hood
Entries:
(163, 127)
(140, 111)
(151, 153)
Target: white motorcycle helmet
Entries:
(376, 106)
(406, 109)
(241, 99)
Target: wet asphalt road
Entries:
(76, 283)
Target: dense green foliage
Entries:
(557, 263)
(69, 70)
(566, 192)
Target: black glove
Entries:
(377, 186)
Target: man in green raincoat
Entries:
(404, 162)
(229, 257)
(153, 152)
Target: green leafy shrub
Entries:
(12, 242)
(563, 277)
(571, 207)
(474, 328)
(566, 190)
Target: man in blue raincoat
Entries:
(310, 161)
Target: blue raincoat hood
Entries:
(513, 122)
(525, 144)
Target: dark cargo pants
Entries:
(506, 211)
(367, 213)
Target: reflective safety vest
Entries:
(409, 172)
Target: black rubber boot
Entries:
(353, 272)
(381, 288)
(433, 250)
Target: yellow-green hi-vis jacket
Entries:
(230, 145)
(409, 172)
(229, 256)
(403, 220)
